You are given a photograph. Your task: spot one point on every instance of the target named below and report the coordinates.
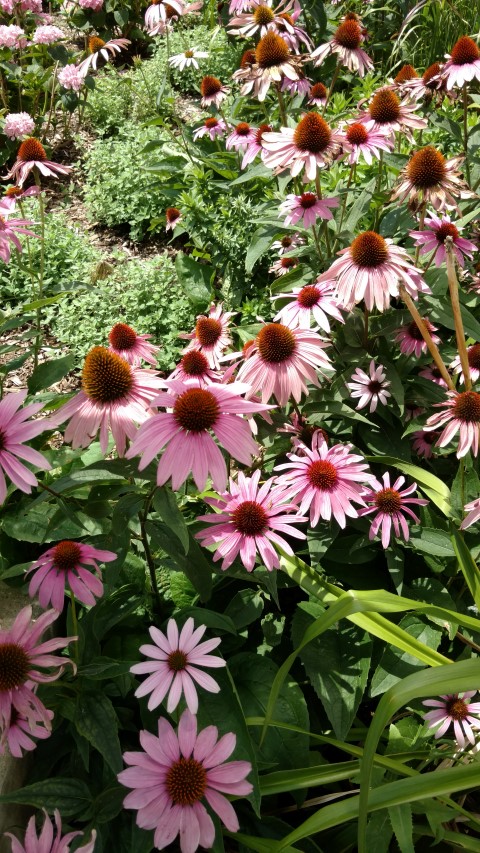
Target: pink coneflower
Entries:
(173, 216)
(70, 78)
(211, 334)
(249, 521)
(158, 13)
(31, 155)
(284, 265)
(285, 25)
(318, 95)
(422, 443)
(12, 36)
(18, 735)
(362, 139)
(310, 301)
(187, 58)
(412, 410)
(433, 239)
(270, 63)
(280, 361)
(345, 43)
(463, 65)
(432, 373)
(175, 773)
(194, 366)
(296, 87)
(404, 77)
(287, 243)
(44, 843)
(18, 125)
(132, 347)
(307, 208)
(114, 396)
(473, 354)
(68, 563)
(213, 92)
(10, 228)
(241, 136)
(17, 193)
(21, 662)
(461, 414)
(429, 178)
(457, 709)
(101, 51)
(325, 480)
(302, 432)
(255, 146)
(410, 338)
(211, 127)
(308, 146)
(13, 433)
(239, 6)
(369, 388)
(47, 35)
(390, 114)
(260, 19)
(186, 430)
(429, 83)
(473, 510)
(371, 269)
(175, 665)
(391, 507)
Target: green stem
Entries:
(365, 328)
(143, 516)
(317, 243)
(75, 626)
(465, 132)
(41, 205)
(332, 86)
(281, 106)
(457, 314)
(420, 226)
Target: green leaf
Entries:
(108, 804)
(435, 542)
(468, 566)
(97, 721)
(307, 777)
(195, 279)
(433, 487)
(395, 664)
(165, 503)
(70, 796)
(49, 372)
(402, 825)
(196, 565)
(338, 685)
(244, 608)
(359, 207)
(260, 244)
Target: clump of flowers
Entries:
(18, 125)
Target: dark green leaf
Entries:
(97, 721)
(195, 279)
(49, 372)
(394, 664)
(70, 796)
(165, 503)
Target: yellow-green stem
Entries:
(432, 347)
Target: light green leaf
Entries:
(394, 664)
(402, 825)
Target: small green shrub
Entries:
(111, 102)
(144, 294)
(118, 190)
(69, 258)
(222, 60)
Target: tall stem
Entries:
(365, 328)
(420, 227)
(432, 347)
(457, 314)
(143, 516)
(41, 205)
(317, 243)
(465, 132)
(332, 86)
(75, 626)
(281, 106)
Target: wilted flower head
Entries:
(173, 216)
(272, 62)
(18, 125)
(429, 178)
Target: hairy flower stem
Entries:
(432, 347)
(457, 314)
(332, 86)
(353, 168)
(365, 328)
(143, 516)
(465, 132)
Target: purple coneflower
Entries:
(308, 146)
(134, 348)
(461, 414)
(101, 51)
(318, 95)
(457, 709)
(287, 243)
(13, 433)
(211, 335)
(284, 265)
(18, 735)
(173, 216)
(432, 373)
(68, 563)
(11, 228)
(473, 355)
(31, 155)
(345, 43)
(463, 65)
(429, 178)
(362, 139)
(213, 92)
(242, 135)
(44, 843)
(269, 63)
(411, 340)
(390, 114)
(194, 367)
(260, 19)
(307, 208)
(187, 58)
(211, 127)
(422, 443)
(255, 146)
(473, 510)
(438, 228)
(312, 301)
(370, 388)
(391, 506)
(158, 12)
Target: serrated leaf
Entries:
(70, 796)
(435, 542)
(260, 244)
(97, 721)
(195, 279)
(165, 503)
(402, 825)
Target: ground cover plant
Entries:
(239, 425)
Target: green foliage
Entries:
(222, 60)
(146, 295)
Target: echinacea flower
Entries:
(284, 265)
(71, 564)
(239, 6)
(454, 709)
(186, 429)
(194, 366)
(432, 373)
(22, 659)
(176, 664)
(461, 414)
(429, 178)
(47, 35)
(44, 842)
(287, 243)
(391, 115)
(307, 208)
(272, 61)
(158, 13)
(463, 65)
(346, 45)
(22, 728)
(422, 443)
(438, 228)
(114, 396)
(211, 335)
(173, 776)
(411, 339)
(473, 510)
(10, 228)
(131, 346)
(325, 480)
(14, 431)
(70, 78)
(318, 95)
(369, 388)
(101, 51)
(312, 301)
(286, 26)
(429, 83)
(173, 216)
(213, 91)
(296, 87)
(391, 508)
(17, 193)
(241, 136)
(310, 146)
(18, 125)
(281, 360)
(404, 77)
(250, 521)
(363, 139)
(371, 269)
(259, 20)
(302, 432)
(255, 146)
(31, 155)
(211, 127)
(473, 355)
(187, 58)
